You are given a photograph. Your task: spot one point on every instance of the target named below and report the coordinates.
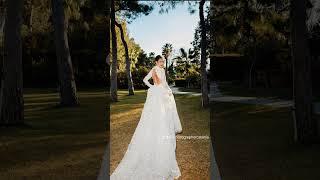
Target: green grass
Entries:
(256, 142)
(57, 143)
(192, 155)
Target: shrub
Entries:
(193, 80)
(137, 78)
(181, 82)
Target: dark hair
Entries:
(157, 57)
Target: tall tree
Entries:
(114, 66)
(145, 60)
(305, 124)
(108, 5)
(2, 16)
(128, 61)
(104, 169)
(67, 85)
(203, 59)
(314, 15)
(203, 44)
(130, 10)
(185, 60)
(166, 52)
(11, 97)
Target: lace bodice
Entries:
(160, 72)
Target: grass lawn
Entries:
(256, 142)
(192, 154)
(58, 143)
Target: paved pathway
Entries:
(214, 168)
(216, 95)
(175, 90)
(254, 100)
(104, 169)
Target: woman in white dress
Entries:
(151, 153)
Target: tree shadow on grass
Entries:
(51, 133)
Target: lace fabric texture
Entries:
(151, 153)
(169, 98)
(160, 73)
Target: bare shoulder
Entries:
(156, 68)
(152, 69)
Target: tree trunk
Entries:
(11, 97)
(108, 81)
(204, 78)
(305, 124)
(251, 75)
(166, 69)
(31, 18)
(128, 62)
(253, 62)
(2, 15)
(67, 85)
(113, 85)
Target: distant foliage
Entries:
(85, 31)
(193, 80)
(137, 77)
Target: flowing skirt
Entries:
(151, 153)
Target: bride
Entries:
(151, 152)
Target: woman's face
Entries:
(160, 62)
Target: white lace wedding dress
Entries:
(151, 153)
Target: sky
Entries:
(155, 30)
